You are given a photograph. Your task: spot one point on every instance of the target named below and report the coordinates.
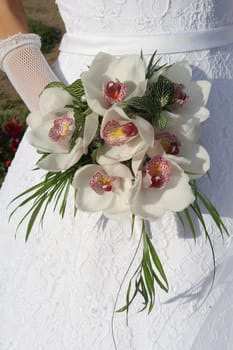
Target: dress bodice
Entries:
(144, 16)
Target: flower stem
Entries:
(119, 290)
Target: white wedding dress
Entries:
(57, 291)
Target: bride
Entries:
(57, 291)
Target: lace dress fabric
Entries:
(57, 291)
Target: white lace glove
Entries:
(26, 67)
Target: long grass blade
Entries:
(157, 263)
(33, 218)
(181, 220)
(190, 223)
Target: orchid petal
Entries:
(145, 130)
(145, 203)
(109, 155)
(129, 70)
(178, 194)
(87, 199)
(34, 119)
(119, 170)
(91, 126)
(38, 138)
(179, 72)
(199, 161)
(54, 100)
(59, 161)
(198, 93)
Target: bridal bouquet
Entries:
(125, 137)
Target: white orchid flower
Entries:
(160, 185)
(179, 142)
(110, 80)
(123, 135)
(190, 97)
(103, 188)
(52, 113)
(52, 127)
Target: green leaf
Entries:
(75, 208)
(198, 213)
(148, 278)
(137, 103)
(26, 215)
(54, 187)
(146, 106)
(141, 55)
(190, 222)
(79, 118)
(132, 224)
(76, 89)
(163, 90)
(145, 277)
(149, 284)
(33, 218)
(64, 200)
(157, 68)
(123, 308)
(144, 293)
(129, 299)
(44, 211)
(157, 262)
(35, 195)
(153, 66)
(31, 189)
(160, 121)
(181, 220)
(149, 70)
(211, 209)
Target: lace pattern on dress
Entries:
(144, 16)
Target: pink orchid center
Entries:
(101, 183)
(116, 134)
(180, 97)
(159, 171)
(62, 128)
(169, 142)
(114, 91)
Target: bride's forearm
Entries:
(20, 55)
(12, 18)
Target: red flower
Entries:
(13, 147)
(13, 128)
(8, 163)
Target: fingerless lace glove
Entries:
(26, 67)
